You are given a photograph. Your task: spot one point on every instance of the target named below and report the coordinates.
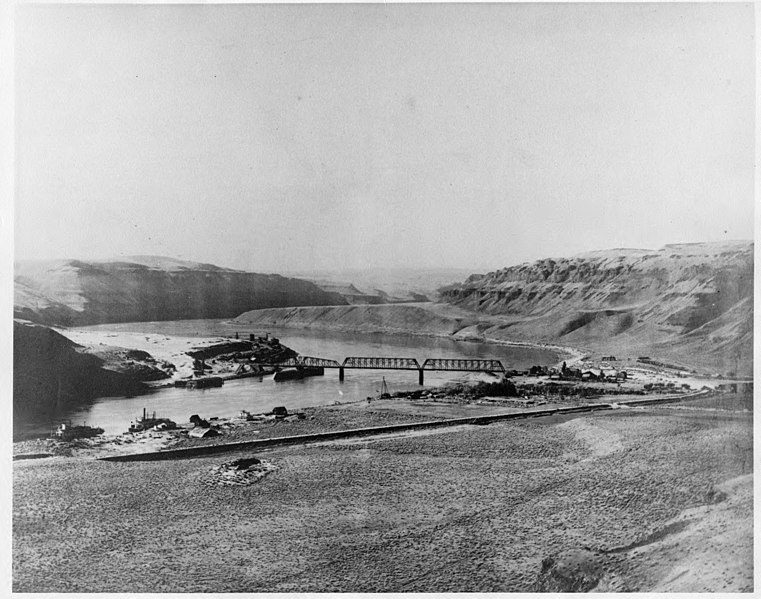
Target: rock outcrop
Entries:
(146, 288)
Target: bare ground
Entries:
(466, 509)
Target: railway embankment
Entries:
(189, 452)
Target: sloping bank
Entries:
(174, 454)
(411, 319)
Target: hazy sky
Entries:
(292, 137)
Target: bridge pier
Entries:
(420, 377)
(341, 374)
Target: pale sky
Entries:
(297, 137)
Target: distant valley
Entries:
(386, 285)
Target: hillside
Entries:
(423, 318)
(52, 373)
(690, 303)
(146, 288)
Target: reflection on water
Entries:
(259, 395)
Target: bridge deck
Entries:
(390, 363)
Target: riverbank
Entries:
(467, 509)
(395, 415)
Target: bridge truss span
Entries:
(301, 362)
(317, 362)
(463, 365)
(376, 363)
(382, 363)
(281, 364)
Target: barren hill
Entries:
(144, 288)
(689, 302)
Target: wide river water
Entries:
(257, 395)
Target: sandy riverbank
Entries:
(163, 348)
(664, 498)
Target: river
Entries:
(257, 395)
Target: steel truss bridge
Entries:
(376, 363)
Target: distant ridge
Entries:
(385, 285)
(164, 263)
(145, 288)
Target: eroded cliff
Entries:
(688, 300)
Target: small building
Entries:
(592, 375)
(609, 359)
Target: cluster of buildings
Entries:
(577, 374)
